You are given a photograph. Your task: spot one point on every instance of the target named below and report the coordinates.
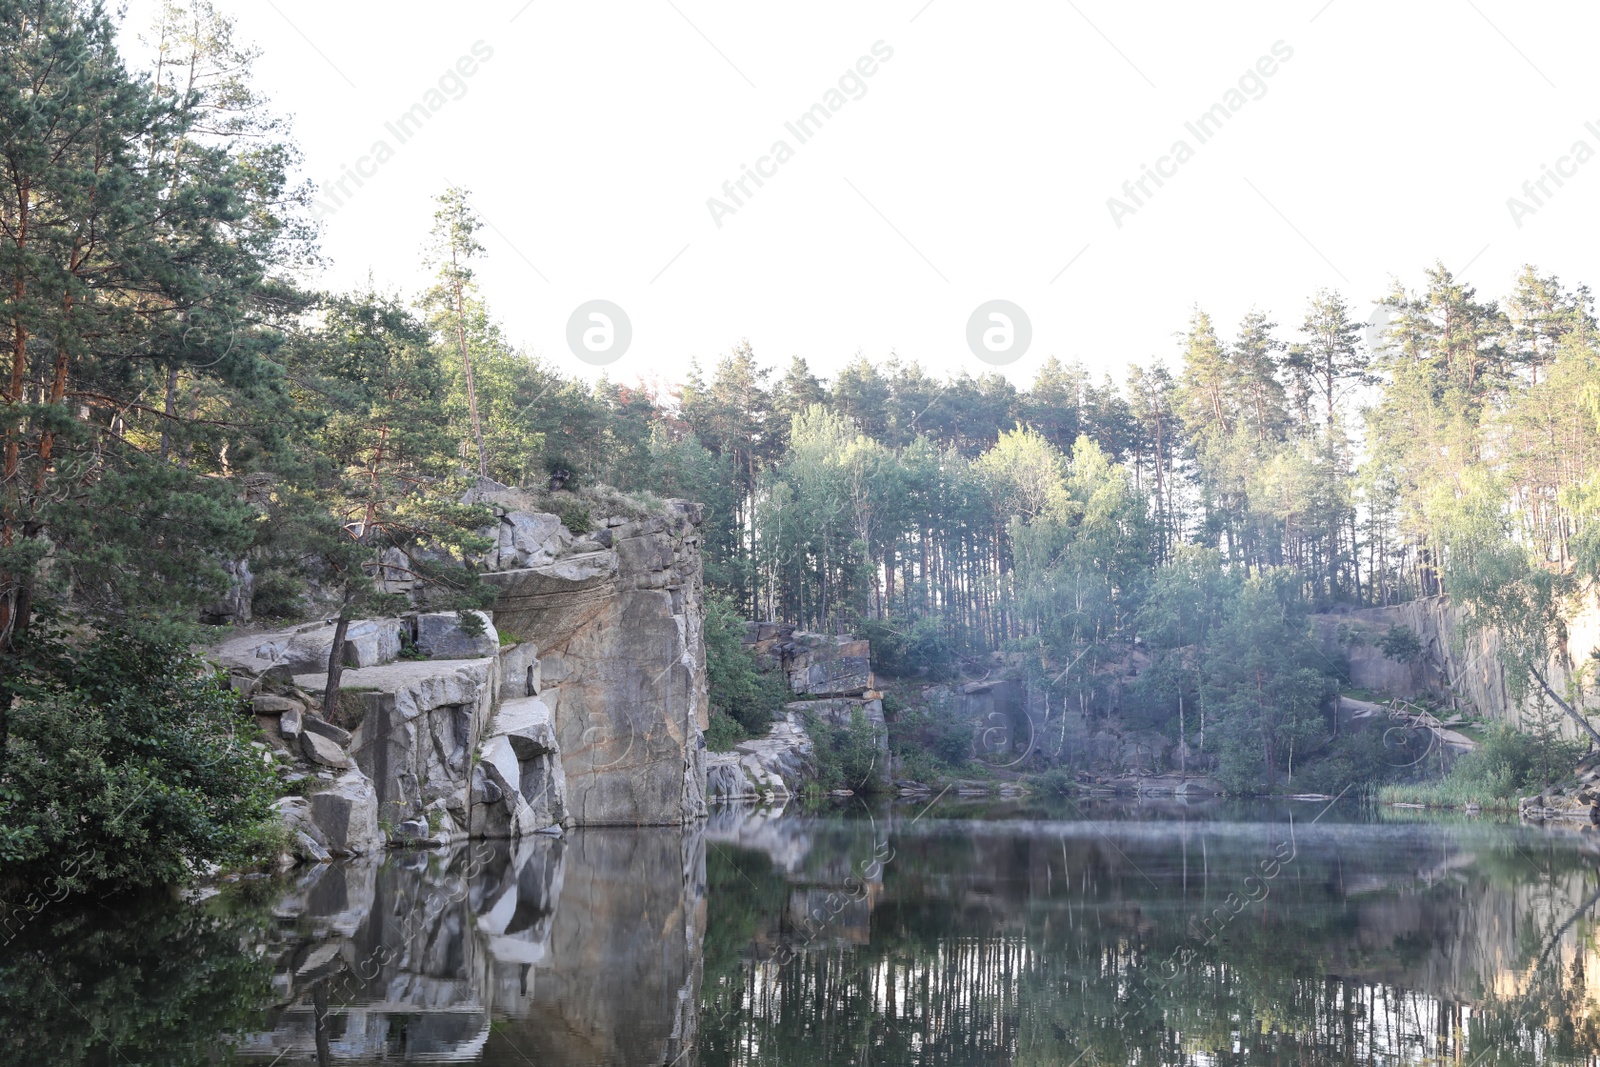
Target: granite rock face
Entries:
(622, 665)
(592, 714)
(410, 752)
(529, 540)
(415, 730)
(347, 814)
(818, 665)
(773, 767)
(340, 819)
(1458, 667)
(520, 760)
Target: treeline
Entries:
(890, 491)
(1188, 517)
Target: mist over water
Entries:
(1018, 932)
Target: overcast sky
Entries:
(1361, 141)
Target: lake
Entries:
(1023, 932)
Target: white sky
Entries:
(976, 166)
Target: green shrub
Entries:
(1507, 764)
(933, 734)
(1510, 763)
(1355, 761)
(128, 764)
(278, 595)
(408, 647)
(1401, 643)
(573, 512)
(724, 732)
(1058, 781)
(738, 688)
(920, 766)
(847, 757)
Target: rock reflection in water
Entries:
(583, 950)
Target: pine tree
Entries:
(454, 244)
(1542, 313)
(1052, 403)
(372, 516)
(135, 239)
(1255, 363)
(1331, 359)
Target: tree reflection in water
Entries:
(1032, 935)
(1040, 940)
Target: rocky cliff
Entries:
(833, 676)
(1458, 667)
(581, 701)
(413, 751)
(616, 616)
(814, 665)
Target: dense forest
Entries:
(177, 400)
(1197, 506)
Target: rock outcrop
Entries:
(432, 736)
(234, 605)
(277, 655)
(773, 767)
(1459, 667)
(778, 765)
(443, 729)
(817, 665)
(617, 623)
(418, 752)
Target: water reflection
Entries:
(581, 951)
(1084, 933)
(986, 934)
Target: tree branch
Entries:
(1572, 713)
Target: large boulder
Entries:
(529, 539)
(346, 814)
(323, 750)
(440, 635)
(523, 789)
(279, 654)
(824, 666)
(521, 674)
(773, 767)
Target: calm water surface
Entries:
(1020, 933)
